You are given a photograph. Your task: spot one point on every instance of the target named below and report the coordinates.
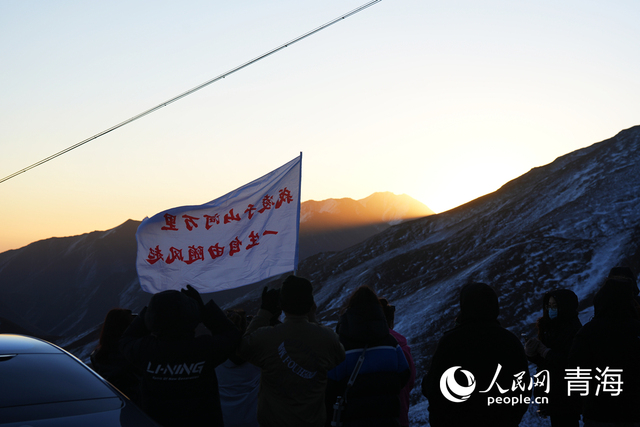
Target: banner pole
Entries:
(295, 270)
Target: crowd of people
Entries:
(265, 370)
(590, 372)
(260, 370)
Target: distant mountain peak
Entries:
(378, 207)
(336, 224)
(396, 208)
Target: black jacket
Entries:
(179, 385)
(374, 398)
(557, 335)
(611, 340)
(477, 345)
(114, 368)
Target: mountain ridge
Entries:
(97, 271)
(564, 224)
(336, 224)
(503, 217)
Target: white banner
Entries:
(245, 236)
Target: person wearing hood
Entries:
(475, 368)
(557, 327)
(374, 398)
(179, 385)
(607, 350)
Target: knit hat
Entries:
(296, 295)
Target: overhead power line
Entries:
(190, 91)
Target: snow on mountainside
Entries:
(560, 225)
(565, 224)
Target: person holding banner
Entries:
(179, 384)
(294, 357)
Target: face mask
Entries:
(553, 313)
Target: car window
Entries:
(29, 379)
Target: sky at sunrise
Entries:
(444, 101)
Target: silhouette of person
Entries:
(405, 401)
(607, 350)
(238, 383)
(294, 356)
(374, 397)
(550, 351)
(107, 359)
(475, 367)
(179, 384)
(624, 275)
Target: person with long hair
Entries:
(374, 397)
(557, 327)
(107, 359)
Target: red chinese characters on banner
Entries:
(176, 254)
(155, 255)
(234, 246)
(212, 219)
(253, 237)
(231, 217)
(284, 197)
(267, 202)
(170, 220)
(190, 222)
(216, 251)
(250, 211)
(196, 253)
